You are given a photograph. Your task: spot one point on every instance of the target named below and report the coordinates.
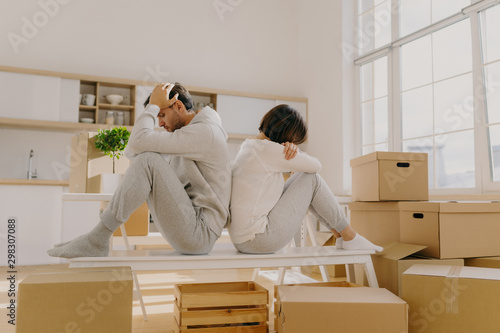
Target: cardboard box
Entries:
(89, 300)
(347, 310)
(452, 299)
(377, 221)
(398, 257)
(137, 224)
(87, 163)
(221, 307)
(389, 176)
(334, 284)
(487, 262)
(333, 271)
(451, 229)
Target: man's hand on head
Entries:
(160, 94)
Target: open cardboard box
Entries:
(398, 257)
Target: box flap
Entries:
(375, 206)
(455, 272)
(336, 295)
(391, 156)
(397, 251)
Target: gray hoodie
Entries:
(197, 153)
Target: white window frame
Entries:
(484, 185)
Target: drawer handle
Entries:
(418, 215)
(403, 165)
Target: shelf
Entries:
(87, 107)
(44, 182)
(116, 107)
(46, 125)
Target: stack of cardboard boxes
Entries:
(390, 207)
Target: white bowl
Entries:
(87, 120)
(114, 99)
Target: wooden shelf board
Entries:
(46, 182)
(87, 107)
(46, 125)
(239, 137)
(116, 107)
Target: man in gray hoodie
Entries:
(183, 173)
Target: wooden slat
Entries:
(224, 299)
(44, 182)
(261, 328)
(229, 316)
(48, 125)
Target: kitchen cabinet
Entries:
(41, 110)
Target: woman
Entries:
(266, 211)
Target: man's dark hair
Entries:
(184, 96)
(284, 124)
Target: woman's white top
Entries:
(258, 183)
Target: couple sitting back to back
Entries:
(184, 174)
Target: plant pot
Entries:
(110, 182)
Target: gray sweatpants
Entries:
(150, 178)
(302, 191)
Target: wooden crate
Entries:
(230, 307)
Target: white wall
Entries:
(322, 76)
(245, 46)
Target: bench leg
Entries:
(281, 275)
(350, 273)
(255, 274)
(139, 295)
(370, 273)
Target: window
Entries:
(374, 27)
(423, 92)
(374, 107)
(490, 25)
(437, 104)
(418, 14)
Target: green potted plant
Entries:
(112, 142)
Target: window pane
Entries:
(417, 115)
(414, 15)
(424, 145)
(382, 147)
(444, 8)
(380, 77)
(490, 20)
(365, 32)
(452, 50)
(368, 149)
(381, 120)
(455, 160)
(366, 72)
(492, 78)
(367, 122)
(364, 5)
(382, 24)
(416, 63)
(495, 151)
(453, 104)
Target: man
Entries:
(183, 173)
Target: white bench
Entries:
(225, 256)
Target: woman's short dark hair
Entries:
(184, 96)
(284, 124)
